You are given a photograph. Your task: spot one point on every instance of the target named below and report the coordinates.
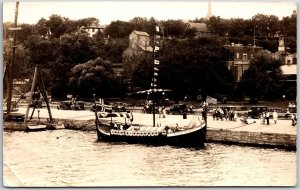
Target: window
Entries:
(237, 55)
(93, 30)
(245, 56)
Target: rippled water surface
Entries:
(74, 158)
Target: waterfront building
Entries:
(241, 60)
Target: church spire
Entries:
(209, 14)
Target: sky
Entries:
(31, 12)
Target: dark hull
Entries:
(195, 137)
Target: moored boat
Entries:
(192, 135)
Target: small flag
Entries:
(155, 74)
(153, 84)
(156, 48)
(157, 29)
(156, 62)
(155, 69)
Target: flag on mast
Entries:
(156, 48)
(156, 62)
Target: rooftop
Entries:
(141, 33)
(201, 27)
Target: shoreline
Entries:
(281, 135)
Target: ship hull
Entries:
(195, 137)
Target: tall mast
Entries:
(11, 65)
(155, 69)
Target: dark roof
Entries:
(141, 33)
(201, 27)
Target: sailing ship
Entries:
(191, 135)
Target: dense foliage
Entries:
(73, 62)
(260, 81)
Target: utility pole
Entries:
(11, 65)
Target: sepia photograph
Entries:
(149, 93)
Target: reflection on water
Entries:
(73, 158)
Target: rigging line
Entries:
(14, 174)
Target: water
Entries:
(64, 158)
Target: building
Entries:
(93, 28)
(140, 40)
(241, 60)
(201, 28)
(283, 55)
(138, 50)
(288, 68)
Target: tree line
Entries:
(73, 62)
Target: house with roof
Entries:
(201, 29)
(138, 50)
(93, 28)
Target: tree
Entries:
(262, 79)
(41, 27)
(94, 77)
(236, 27)
(217, 25)
(174, 28)
(41, 50)
(187, 66)
(26, 31)
(190, 32)
(76, 48)
(118, 29)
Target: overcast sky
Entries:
(106, 11)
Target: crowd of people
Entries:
(265, 118)
(224, 113)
